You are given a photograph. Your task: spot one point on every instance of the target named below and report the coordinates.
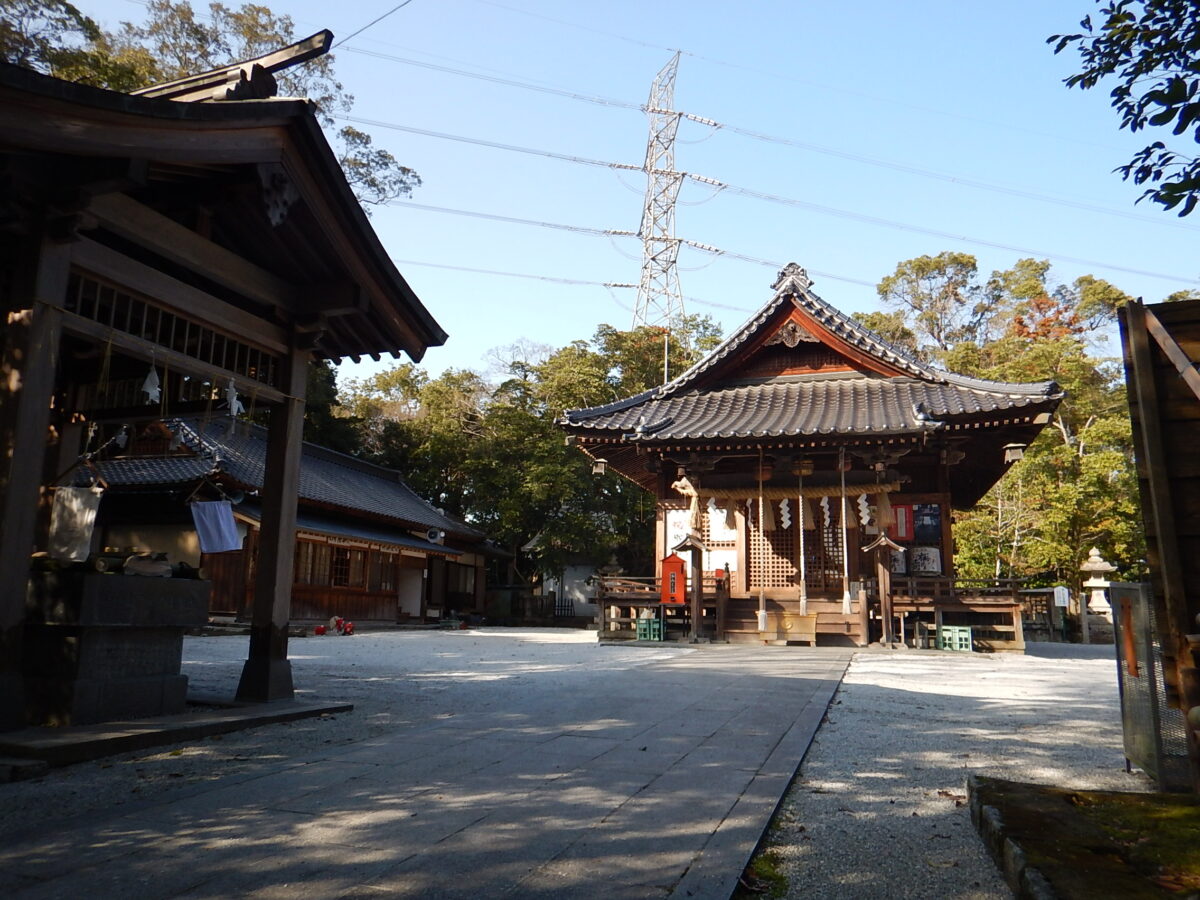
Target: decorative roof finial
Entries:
(792, 277)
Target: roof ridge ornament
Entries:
(790, 334)
(794, 277)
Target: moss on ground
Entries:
(1158, 835)
(762, 877)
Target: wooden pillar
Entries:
(883, 572)
(697, 592)
(29, 348)
(1172, 618)
(267, 674)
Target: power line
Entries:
(566, 157)
(887, 101)
(791, 142)
(787, 201)
(375, 21)
(580, 229)
(612, 232)
(495, 79)
(610, 285)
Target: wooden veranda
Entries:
(919, 608)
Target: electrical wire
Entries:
(580, 229)
(615, 233)
(495, 79)
(779, 199)
(376, 21)
(791, 142)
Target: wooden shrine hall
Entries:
(198, 240)
(810, 472)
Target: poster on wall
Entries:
(903, 529)
(927, 523)
(677, 528)
(926, 561)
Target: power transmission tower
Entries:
(659, 300)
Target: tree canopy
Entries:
(1076, 486)
(174, 40)
(491, 453)
(1152, 49)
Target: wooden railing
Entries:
(623, 599)
(948, 590)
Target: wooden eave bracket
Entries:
(216, 83)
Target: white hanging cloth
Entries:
(72, 521)
(215, 526)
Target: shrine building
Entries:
(813, 470)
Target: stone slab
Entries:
(654, 780)
(78, 743)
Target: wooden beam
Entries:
(1179, 359)
(29, 348)
(173, 294)
(49, 127)
(267, 673)
(1173, 619)
(134, 221)
(212, 84)
(148, 351)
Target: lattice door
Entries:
(823, 559)
(771, 556)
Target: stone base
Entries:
(85, 701)
(264, 680)
(80, 674)
(12, 701)
(101, 647)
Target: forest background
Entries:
(483, 445)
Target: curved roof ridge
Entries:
(794, 285)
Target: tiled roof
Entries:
(326, 477)
(843, 403)
(802, 406)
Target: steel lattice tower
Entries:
(659, 301)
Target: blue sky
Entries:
(877, 92)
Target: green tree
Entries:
(173, 41)
(1076, 486)
(1152, 49)
(893, 328)
(325, 421)
(491, 453)
(940, 299)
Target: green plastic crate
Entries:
(954, 637)
(649, 629)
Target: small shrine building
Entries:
(798, 443)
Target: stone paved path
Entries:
(646, 781)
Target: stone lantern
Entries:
(1097, 604)
(1096, 568)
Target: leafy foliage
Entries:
(1153, 48)
(173, 41)
(939, 297)
(1076, 486)
(492, 454)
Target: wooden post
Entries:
(697, 592)
(267, 674)
(28, 359)
(883, 572)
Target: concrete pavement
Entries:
(651, 781)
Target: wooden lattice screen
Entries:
(823, 560)
(771, 556)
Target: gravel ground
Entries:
(879, 808)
